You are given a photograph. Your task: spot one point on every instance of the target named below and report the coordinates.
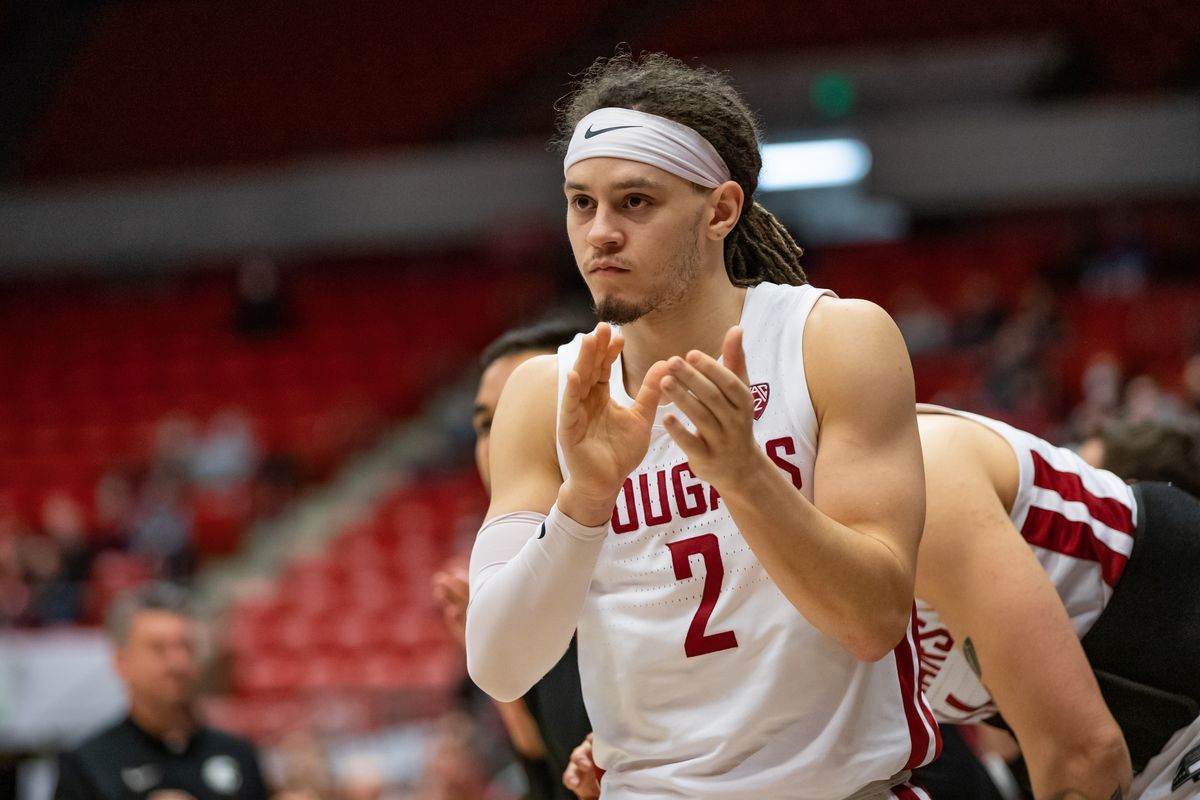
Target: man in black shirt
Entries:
(160, 751)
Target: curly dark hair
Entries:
(759, 248)
(1153, 451)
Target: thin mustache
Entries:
(620, 262)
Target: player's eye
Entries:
(636, 201)
(580, 202)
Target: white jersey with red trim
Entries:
(1079, 522)
(700, 678)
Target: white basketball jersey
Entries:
(700, 678)
(1079, 522)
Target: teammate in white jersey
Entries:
(1028, 550)
(743, 598)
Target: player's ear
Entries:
(726, 203)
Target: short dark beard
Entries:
(619, 312)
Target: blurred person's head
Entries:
(1102, 381)
(498, 362)
(1143, 399)
(454, 766)
(157, 651)
(230, 421)
(62, 517)
(978, 293)
(1191, 383)
(114, 501)
(258, 279)
(174, 444)
(754, 248)
(362, 783)
(1147, 450)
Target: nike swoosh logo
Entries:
(589, 133)
(542, 532)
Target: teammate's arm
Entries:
(987, 586)
(846, 560)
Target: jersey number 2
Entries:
(698, 642)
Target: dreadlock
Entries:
(759, 248)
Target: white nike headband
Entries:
(648, 139)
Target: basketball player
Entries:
(743, 598)
(550, 719)
(1071, 596)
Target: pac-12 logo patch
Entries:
(761, 392)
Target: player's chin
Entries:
(617, 310)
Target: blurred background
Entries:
(250, 251)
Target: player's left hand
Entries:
(716, 398)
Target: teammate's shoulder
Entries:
(536, 373)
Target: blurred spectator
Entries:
(162, 529)
(14, 593)
(1018, 365)
(303, 768)
(362, 781)
(979, 314)
(454, 767)
(114, 509)
(924, 325)
(1101, 388)
(1121, 264)
(228, 454)
(59, 597)
(1191, 385)
(174, 447)
(1145, 401)
(263, 309)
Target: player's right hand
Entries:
(580, 775)
(602, 441)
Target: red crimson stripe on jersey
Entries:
(922, 730)
(909, 792)
(1106, 510)
(1055, 532)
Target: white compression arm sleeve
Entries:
(529, 577)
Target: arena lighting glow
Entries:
(813, 164)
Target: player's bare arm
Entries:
(847, 560)
(533, 559)
(523, 464)
(988, 587)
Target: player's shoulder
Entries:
(846, 332)
(848, 315)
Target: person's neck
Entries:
(164, 722)
(697, 323)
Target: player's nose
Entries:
(605, 231)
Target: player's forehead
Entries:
(602, 174)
